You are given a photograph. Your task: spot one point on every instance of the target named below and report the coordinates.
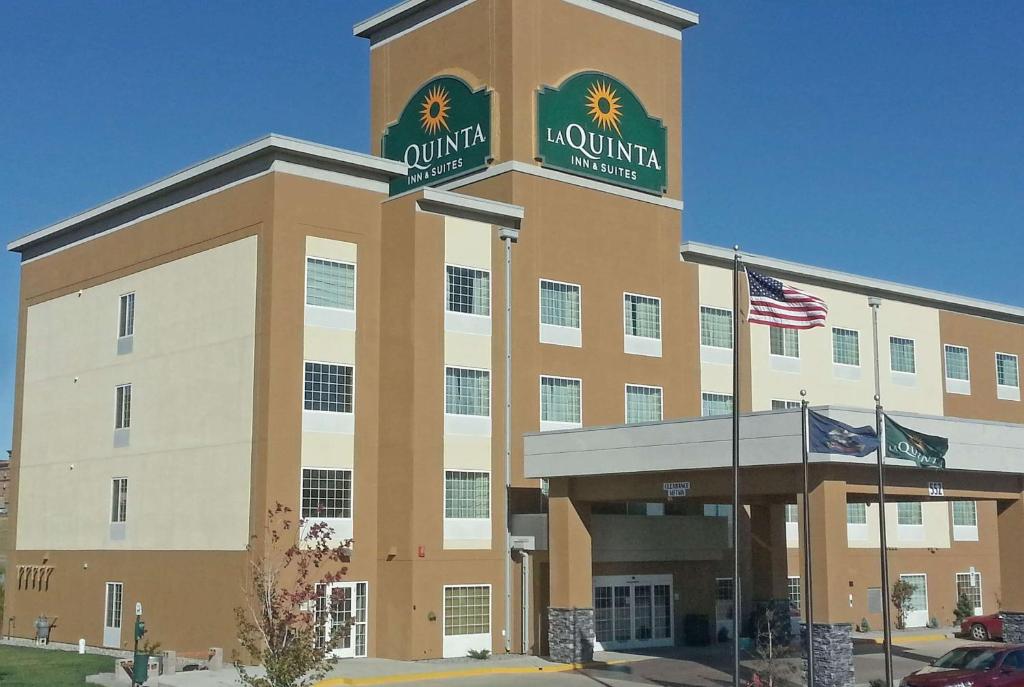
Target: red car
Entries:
(983, 627)
(973, 666)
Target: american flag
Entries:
(778, 305)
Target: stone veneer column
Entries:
(833, 654)
(571, 614)
(1011, 563)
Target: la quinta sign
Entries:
(592, 125)
(443, 132)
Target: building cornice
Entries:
(270, 153)
(471, 207)
(408, 15)
(722, 257)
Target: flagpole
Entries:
(736, 596)
(875, 304)
(806, 517)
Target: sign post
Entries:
(140, 668)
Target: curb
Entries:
(469, 672)
(897, 641)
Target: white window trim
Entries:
(558, 335)
(473, 425)
(716, 393)
(333, 261)
(978, 610)
(106, 603)
(444, 489)
(642, 345)
(625, 398)
(845, 329)
(799, 348)
(326, 421)
(456, 646)
(956, 386)
(927, 600)
(343, 527)
(467, 529)
(120, 301)
(784, 400)
(490, 289)
(113, 481)
(964, 532)
(548, 425)
(700, 324)
(1006, 392)
(899, 375)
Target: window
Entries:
(874, 599)
(642, 316)
(643, 403)
(328, 388)
(126, 316)
(467, 494)
(1006, 370)
(467, 391)
(467, 610)
(715, 404)
(723, 588)
(326, 493)
(957, 364)
(908, 514)
(119, 500)
(469, 290)
(791, 516)
(123, 407)
(784, 342)
(115, 595)
(845, 346)
(780, 404)
(330, 284)
(965, 514)
(715, 327)
(560, 400)
(901, 355)
(969, 585)
(794, 591)
(856, 514)
(559, 304)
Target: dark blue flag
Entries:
(832, 436)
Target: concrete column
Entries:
(571, 613)
(833, 643)
(1010, 523)
(769, 564)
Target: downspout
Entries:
(508, 236)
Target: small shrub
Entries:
(865, 626)
(933, 622)
(479, 654)
(877, 682)
(964, 609)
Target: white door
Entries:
(347, 617)
(633, 611)
(969, 584)
(723, 608)
(112, 614)
(918, 614)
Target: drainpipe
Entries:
(508, 236)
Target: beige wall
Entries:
(191, 366)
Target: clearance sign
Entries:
(443, 132)
(593, 126)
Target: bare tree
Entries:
(284, 624)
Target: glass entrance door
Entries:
(341, 615)
(633, 611)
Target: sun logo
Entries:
(434, 114)
(604, 107)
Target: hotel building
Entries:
(481, 353)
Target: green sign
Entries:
(592, 125)
(443, 132)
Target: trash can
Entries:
(140, 668)
(42, 626)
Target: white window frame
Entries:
(461, 532)
(787, 404)
(847, 371)
(953, 385)
(122, 433)
(467, 322)
(978, 610)
(857, 531)
(112, 632)
(784, 330)
(548, 425)
(473, 425)
(927, 609)
(559, 335)
(1006, 392)
(343, 527)
(642, 345)
(625, 395)
(799, 590)
(125, 340)
(457, 646)
(327, 316)
(910, 532)
(713, 393)
(116, 516)
(327, 421)
(964, 532)
(715, 355)
(898, 376)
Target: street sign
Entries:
(935, 489)
(676, 489)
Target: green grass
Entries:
(26, 667)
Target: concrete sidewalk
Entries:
(914, 635)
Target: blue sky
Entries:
(874, 137)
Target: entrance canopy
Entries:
(770, 438)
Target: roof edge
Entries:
(471, 207)
(702, 253)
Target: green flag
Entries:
(924, 449)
